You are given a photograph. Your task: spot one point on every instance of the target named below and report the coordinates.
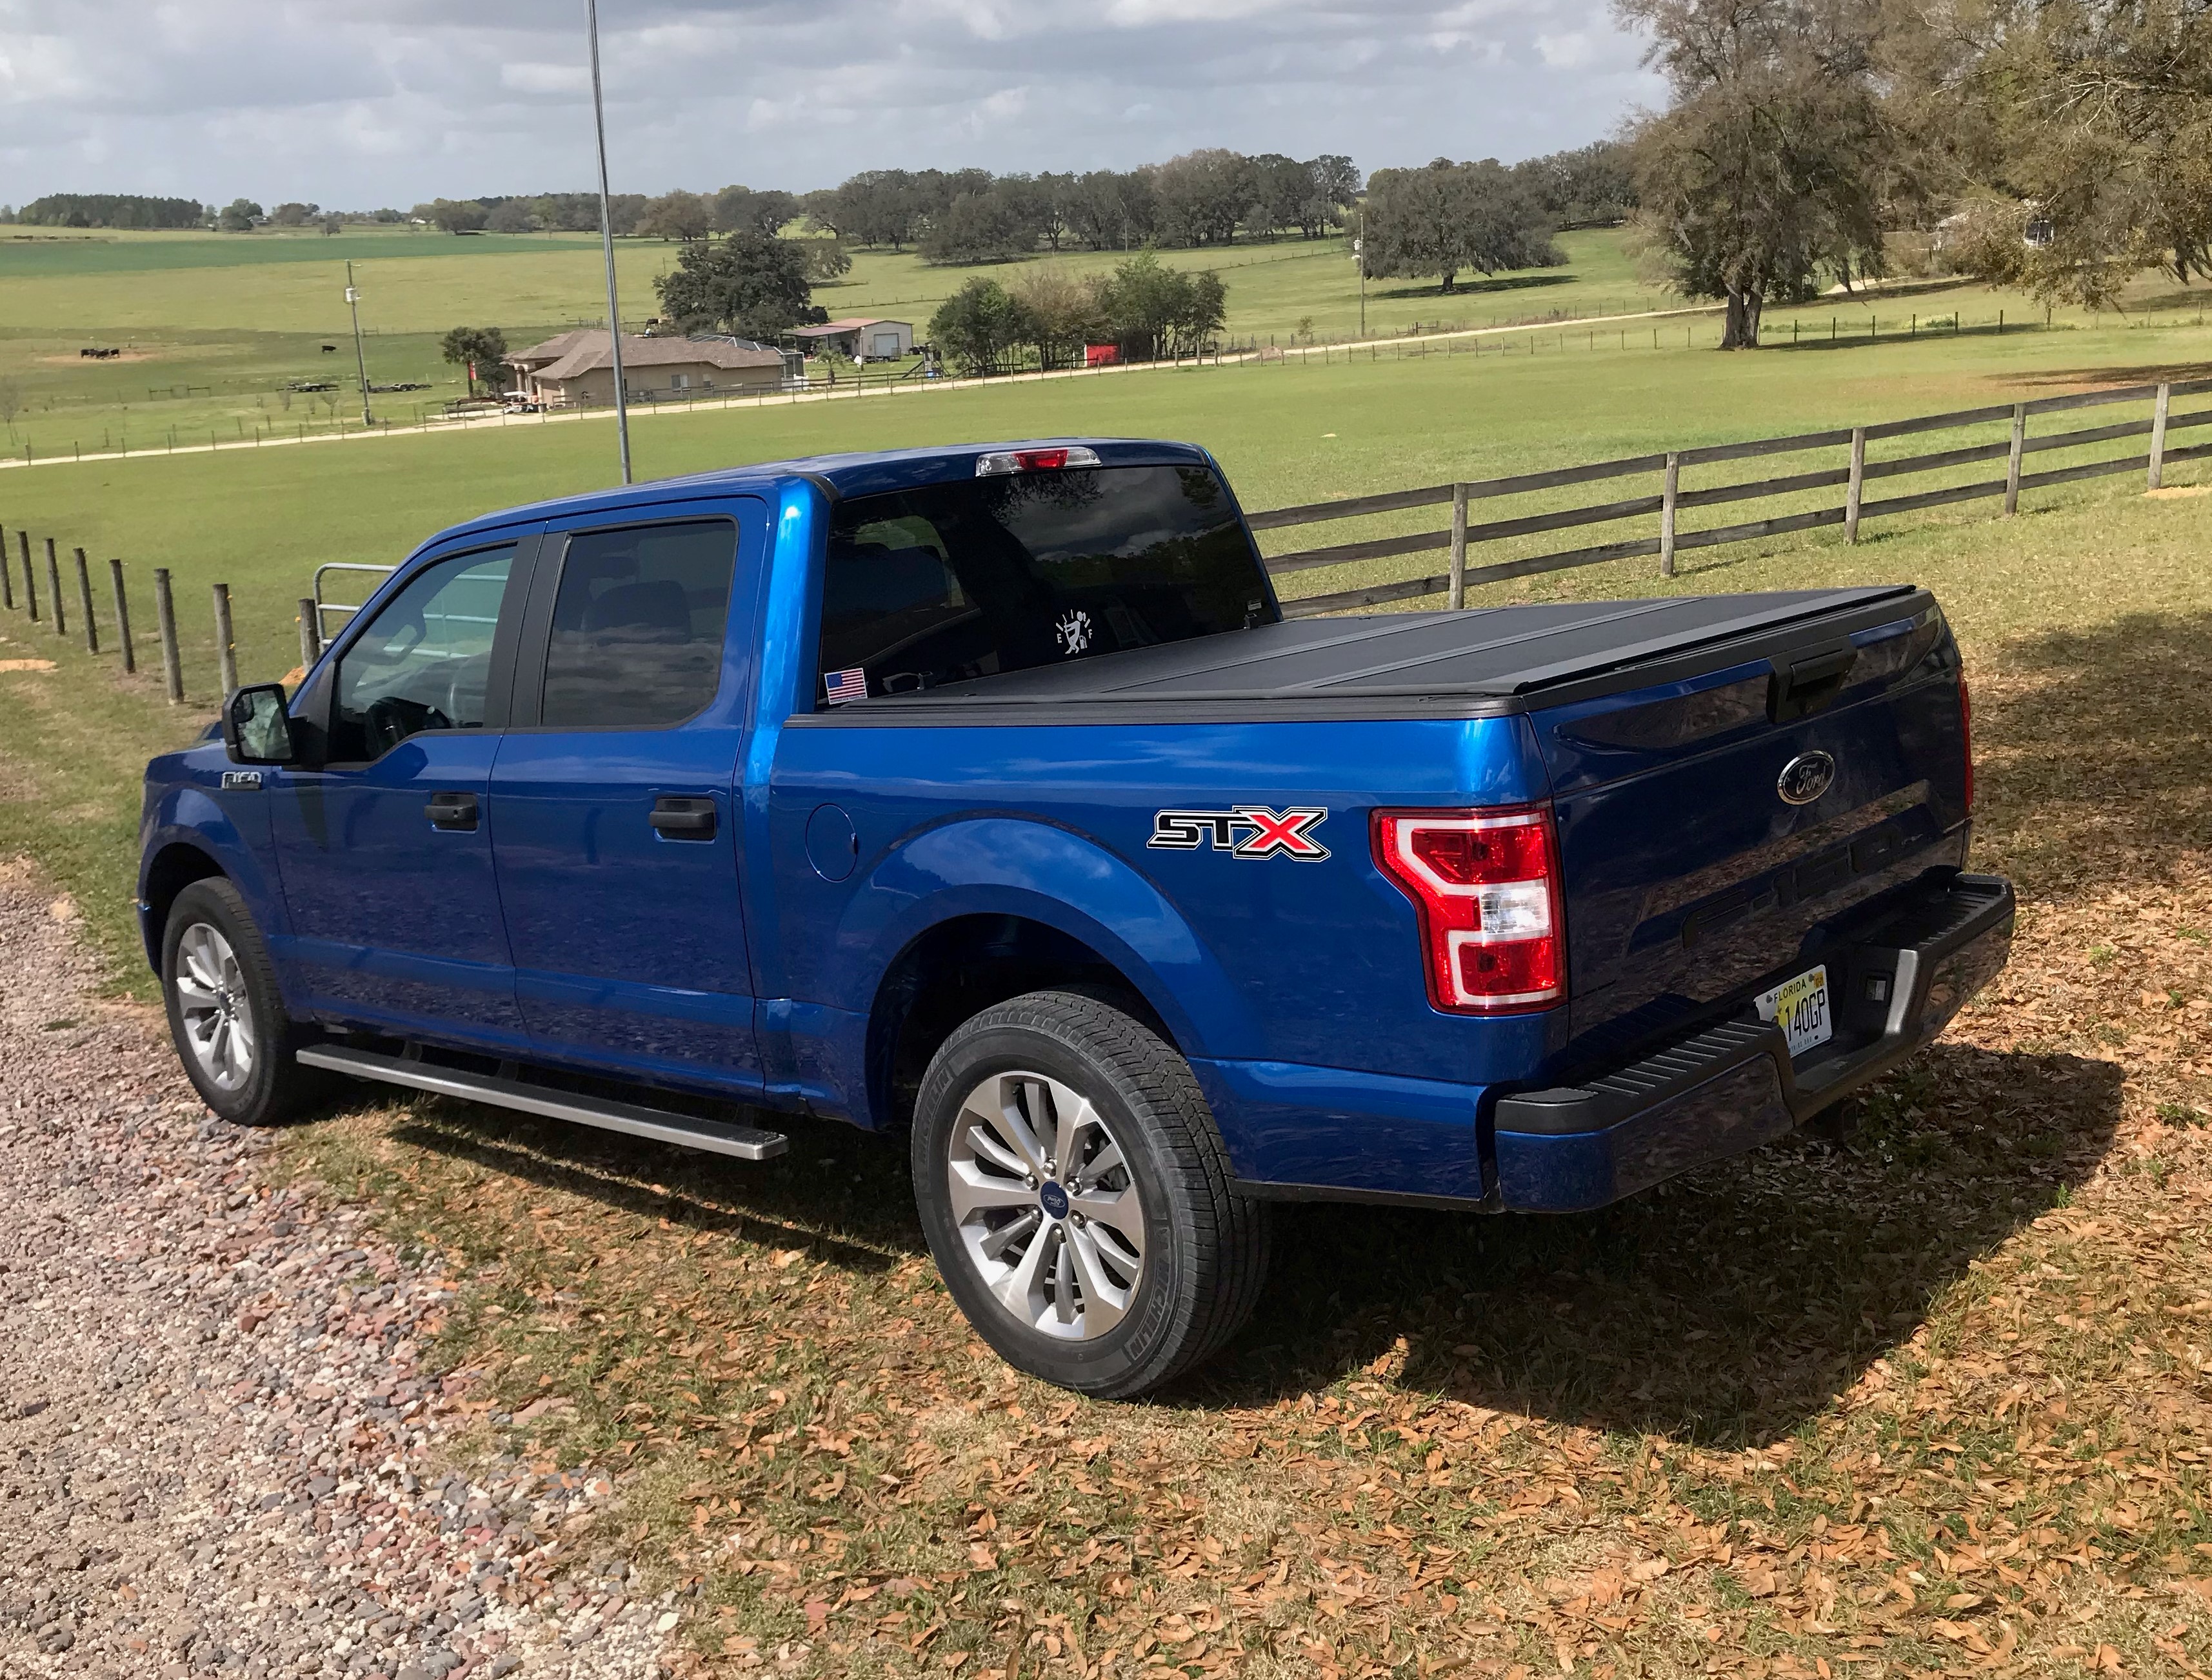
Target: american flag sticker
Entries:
(849, 684)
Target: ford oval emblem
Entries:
(1805, 778)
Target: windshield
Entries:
(951, 582)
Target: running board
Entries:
(746, 1143)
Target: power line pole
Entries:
(1360, 250)
(607, 243)
(360, 360)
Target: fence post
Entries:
(1857, 485)
(1666, 514)
(2012, 460)
(1458, 596)
(123, 616)
(165, 615)
(30, 577)
(2158, 437)
(54, 589)
(84, 600)
(7, 575)
(226, 651)
(311, 641)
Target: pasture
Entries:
(214, 328)
(262, 520)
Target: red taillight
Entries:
(1966, 737)
(1486, 884)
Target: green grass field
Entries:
(215, 327)
(261, 520)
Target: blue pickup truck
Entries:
(989, 794)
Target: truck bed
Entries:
(1476, 662)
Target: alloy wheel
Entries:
(1045, 1205)
(211, 1003)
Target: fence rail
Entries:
(1671, 500)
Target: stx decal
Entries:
(1245, 831)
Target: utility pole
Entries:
(360, 361)
(607, 243)
(1360, 250)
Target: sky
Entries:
(354, 104)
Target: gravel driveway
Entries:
(220, 1448)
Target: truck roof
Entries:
(857, 472)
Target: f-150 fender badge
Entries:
(232, 779)
(1248, 831)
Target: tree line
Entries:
(2061, 145)
(112, 209)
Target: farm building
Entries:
(862, 337)
(577, 368)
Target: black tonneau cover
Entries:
(1469, 663)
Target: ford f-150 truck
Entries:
(987, 794)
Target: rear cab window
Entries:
(952, 582)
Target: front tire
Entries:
(226, 1013)
(1076, 1195)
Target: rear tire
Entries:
(1076, 1195)
(226, 1013)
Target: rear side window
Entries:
(956, 582)
(638, 625)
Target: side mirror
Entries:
(256, 728)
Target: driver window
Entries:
(425, 662)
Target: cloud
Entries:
(546, 78)
(363, 103)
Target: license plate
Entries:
(1800, 1007)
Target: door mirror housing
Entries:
(256, 728)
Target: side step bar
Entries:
(746, 1143)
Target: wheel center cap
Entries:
(1053, 1200)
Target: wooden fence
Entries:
(1672, 498)
(44, 598)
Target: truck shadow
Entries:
(1727, 1306)
(841, 1196)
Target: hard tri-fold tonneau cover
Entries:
(1466, 664)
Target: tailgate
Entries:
(1697, 867)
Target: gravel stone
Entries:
(221, 1449)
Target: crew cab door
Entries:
(616, 795)
(384, 848)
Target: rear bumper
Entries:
(1733, 1086)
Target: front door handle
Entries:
(454, 811)
(675, 817)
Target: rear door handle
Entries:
(454, 811)
(676, 818)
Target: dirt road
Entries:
(222, 1447)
